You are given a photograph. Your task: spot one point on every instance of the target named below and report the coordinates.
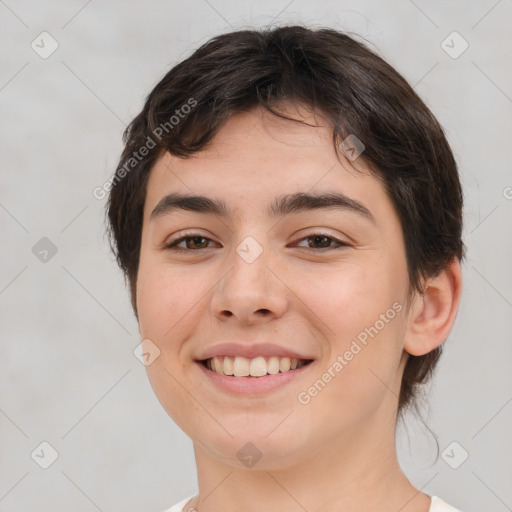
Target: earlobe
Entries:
(433, 313)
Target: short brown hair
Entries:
(351, 86)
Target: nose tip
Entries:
(249, 291)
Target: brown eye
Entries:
(189, 243)
(196, 242)
(319, 241)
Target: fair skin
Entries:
(336, 452)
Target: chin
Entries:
(241, 452)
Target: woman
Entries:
(287, 212)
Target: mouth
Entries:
(243, 367)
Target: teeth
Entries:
(273, 365)
(228, 366)
(240, 367)
(256, 367)
(285, 364)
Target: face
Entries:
(294, 259)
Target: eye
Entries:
(193, 241)
(320, 241)
(197, 242)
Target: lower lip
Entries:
(252, 385)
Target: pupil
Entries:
(318, 240)
(196, 240)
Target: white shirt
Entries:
(437, 505)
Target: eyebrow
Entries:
(282, 205)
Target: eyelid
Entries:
(312, 231)
(341, 237)
(335, 239)
(172, 244)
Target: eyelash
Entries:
(173, 245)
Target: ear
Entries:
(432, 313)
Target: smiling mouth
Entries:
(253, 367)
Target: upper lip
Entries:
(250, 351)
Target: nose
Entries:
(250, 292)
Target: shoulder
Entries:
(179, 506)
(438, 505)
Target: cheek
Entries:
(167, 303)
(362, 313)
(350, 298)
(165, 297)
(362, 369)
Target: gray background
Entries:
(68, 375)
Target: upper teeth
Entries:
(256, 367)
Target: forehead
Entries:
(257, 156)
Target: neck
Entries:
(358, 472)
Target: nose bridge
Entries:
(249, 289)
